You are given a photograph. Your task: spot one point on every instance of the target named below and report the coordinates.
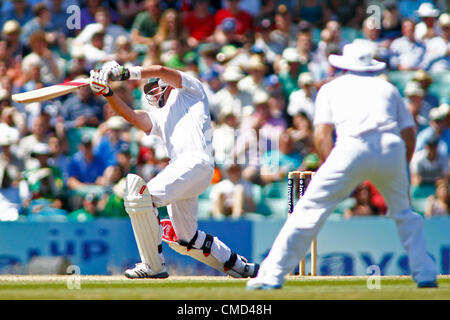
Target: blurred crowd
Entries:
(261, 63)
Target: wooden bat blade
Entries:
(50, 92)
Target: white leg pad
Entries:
(170, 238)
(144, 219)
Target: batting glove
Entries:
(115, 71)
(99, 83)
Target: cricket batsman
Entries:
(375, 141)
(180, 117)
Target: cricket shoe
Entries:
(427, 284)
(143, 271)
(258, 284)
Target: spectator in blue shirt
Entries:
(42, 21)
(19, 11)
(111, 140)
(405, 52)
(437, 129)
(85, 168)
(82, 110)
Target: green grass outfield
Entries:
(14, 287)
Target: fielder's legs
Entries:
(392, 182)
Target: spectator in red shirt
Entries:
(200, 23)
(244, 19)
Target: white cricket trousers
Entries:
(178, 186)
(380, 158)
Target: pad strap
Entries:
(189, 245)
(231, 262)
(206, 247)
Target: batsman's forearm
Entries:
(134, 118)
(169, 75)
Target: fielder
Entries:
(180, 116)
(375, 140)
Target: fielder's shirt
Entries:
(339, 102)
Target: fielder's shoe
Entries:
(257, 284)
(427, 284)
(143, 271)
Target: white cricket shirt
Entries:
(359, 103)
(184, 123)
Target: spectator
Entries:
(88, 212)
(82, 110)
(391, 21)
(302, 100)
(363, 205)
(290, 69)
(427, 28)
(212, 83)
(419, 108)
(85, 168)
(428, 165)
(277, 163)
(39, 134)
(223, 138)
(285, 31)
(405, 52)
(109, 139)
(114, 207)
(199, 22)
(145, 24)
(13, 123)
(305, 46)
(438, 205)
(437, 57)
(170, 27)
(425, 80)
(372, 32)
(266, 42)
(301, 133)
(11, 33)
(51, 64)
(11, 168)
(408, 8)
(437, 129)
(230, 95)
(95, 51)
(41, 22)
(128, 10)
(148, 165)
(330, 36)
(88, 13)
(244, 20)
(58, 157)
(232, 197)
(104, 23)
(20, 11)
(348, 13)
(59, 16)
(312, 11)
(255, 80)
(44, 182)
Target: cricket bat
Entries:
(51, 92)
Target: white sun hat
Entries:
(427, 10)
(356, 57)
